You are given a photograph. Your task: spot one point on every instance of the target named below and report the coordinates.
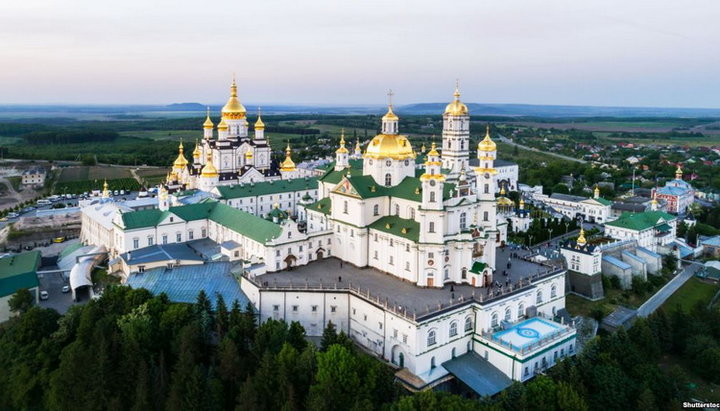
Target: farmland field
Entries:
(83, 173)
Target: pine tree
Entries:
(329, 336)
(222, 317)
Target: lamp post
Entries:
(567, 226)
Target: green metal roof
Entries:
(239, 221)
(267, 187)
(641, 221)
(397, 226)
(323, 206)
(603, 201)
(478, 267)
(18, 271)
(334, 177)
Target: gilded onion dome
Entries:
(248, 155)
(433, 151)
(487, 144)
(196, 152)
(180, 161)
(456, 108)
(678, 173)
(259, 125)
(342, 149)
(581, 238)
(233, 109)
(596, 192)
(504, 201)
(222, 125)
(287, 164)
(208, 123)
(209, 169)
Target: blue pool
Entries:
(525, 333)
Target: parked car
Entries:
(66, 289)
(44, 295)
(59, 240)
(13, 215)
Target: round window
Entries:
(432, 183)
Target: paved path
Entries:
(668, 289)
(560, 156)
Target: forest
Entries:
(130, 350)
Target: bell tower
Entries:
(456, 135)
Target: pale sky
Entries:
(579, 52)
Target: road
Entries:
(560, 156)
(668, 289)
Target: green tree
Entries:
(21, 301)
(329, 336)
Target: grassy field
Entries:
(692, 292)
(84, 173)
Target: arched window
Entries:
(345, 207)
(486, 189)
(538, 298)
(388, 179)
(376, 209)
(453, 329)
(494, 320)
(453, 352)
(468, 324)
(431, 338)
(464, 273)
(553, 291)
(432, 196)
(508, 314)
(485, 216)
(463, 221)
(521, 310)
(431, 227)
(397, 209)
(412, 213)
(432, 362)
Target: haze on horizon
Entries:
(614, 53)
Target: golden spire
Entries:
(196, 152)
(433, 150)
(522, 203)
(596, 192)
(357, 145)
(209, 169)
(422, 148)
(208, 123)
(105, 192)
(390, 115)
(581, 238)
(486, 144)
(259, 125)
(502, 190)
(678, 173)
(342, 148)
(288, 164)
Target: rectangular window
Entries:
(314, 308)
(333, 308)
(276, 308)
(294, 308)
(191, 235)
(136, 243)
(404, 338)
(178, 237)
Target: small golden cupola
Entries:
(106, 191)
(287, 164)
(456, 108)
(196, 152)
(209, 169)
(342, 149)
(233, 109)
(259, 125)
(180, 161)
(678, 173)
(581, 238)
(208, 123)
(487, 145)
(390, 144)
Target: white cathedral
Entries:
(423, 278)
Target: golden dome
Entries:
(357, 145)
(208, 123)
(222, 125)
(581, 238)
(433, 150)
(390, 115)
(456, 108)
(522, 202)
(502, 190)
(678, 173)
(209, 169)
(487, 144)
(342, 149)
(180, 161)
(504, 201)
(196, 152)
(288, 164)
(248, 155)
(259, 125)
(233, 109)
(393, 146)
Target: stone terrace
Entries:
(400, 296)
